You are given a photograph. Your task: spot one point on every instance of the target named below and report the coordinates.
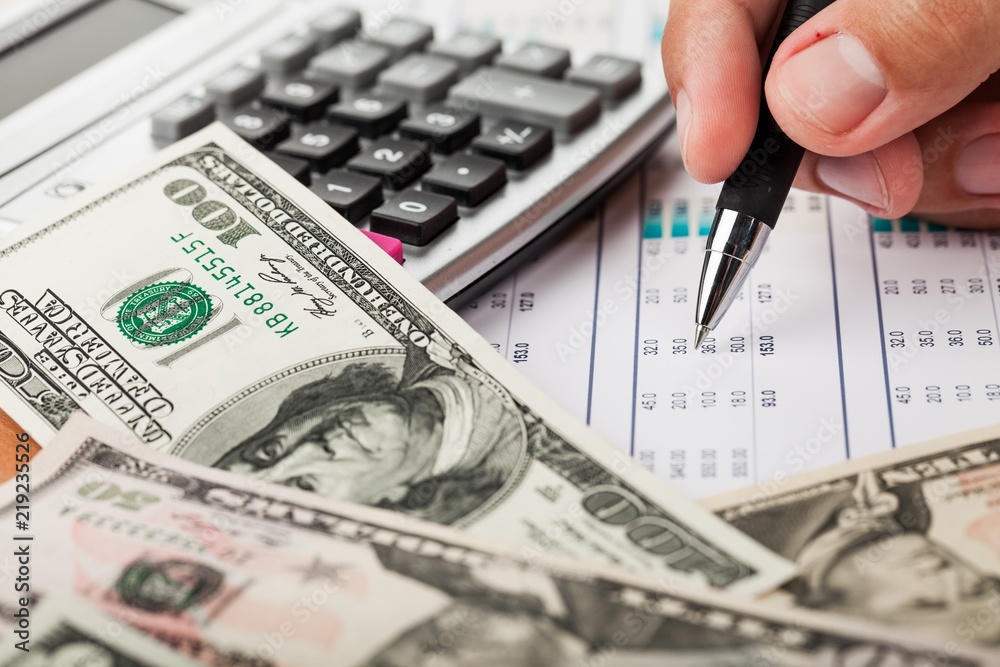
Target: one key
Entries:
(529, 99)
(414, 217)
(352, 195)
(537, 59)
(289, 54)
(403, 37)
(444, 128)
(615, 77)
(467, 178)
(324, 146)
(335, 25)
(469, 50)
(398, 163)
(419, 78)
(353, 63)
(297, 168)
(236, 86)
(300, 97)
(517, 144)
(261, 127)
(372, 115)
(182, 117)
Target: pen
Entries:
(751, 199)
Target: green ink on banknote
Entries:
(164, 313)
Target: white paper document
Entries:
(852, 336)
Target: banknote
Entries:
(218, 310)
(910, 537)
(231, 573)
(68, 633)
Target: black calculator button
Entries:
(403, 37)
(445, 128)
(335, 25)
(261, 127)
(614, 77)
(324, 146)
(300, 97)
(288, 54)
(353, 63)
(467, 178)
(414, 217)
(352, 195)
(517, 144)
(529, 99)
(372, 115)
(182, 117)
(469, 50)
(235, 86)
(419, 78)
(537, 59)
(398, 163)
(297, 168)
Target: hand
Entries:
(897, 103)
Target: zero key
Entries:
(414, 217)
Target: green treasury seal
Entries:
(164, 313)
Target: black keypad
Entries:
(616, 78)
(371, 115)
(300, 97)
(467, 178)
(398, 163)
(517, 144)
(537, 59)
(297, 168)
(414, 217)
(323, 145)
(446, 129)
(261, 127)
(352, 195)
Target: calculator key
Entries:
(419, 78)
(392, 247)
(335, 25)
(398, 163)
(372, 115)
(236, 86)
(182, 117)
(529, 99)
(517, 144)
(261, 127)
(446, 129)
(537, 59)
(403, 37)
(414, 217)
(614, 77)
(352, 195)
(469, 49)
(297, 168)
(353, 64)
(324, 146)
(289, 54)
(467, 178)
(300, 97)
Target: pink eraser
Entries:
(393, 247)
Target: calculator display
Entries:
(35, 58)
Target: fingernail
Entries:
(834, 84)
(683, 104)
(977, 167)
(858, 178)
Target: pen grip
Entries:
(760, 184)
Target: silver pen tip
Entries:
(700, 334)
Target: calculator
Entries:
(462, 153)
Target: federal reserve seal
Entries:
(164, 313)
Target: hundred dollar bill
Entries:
(68, 633)
(233, 573)
(214, 307)
(910, 537)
